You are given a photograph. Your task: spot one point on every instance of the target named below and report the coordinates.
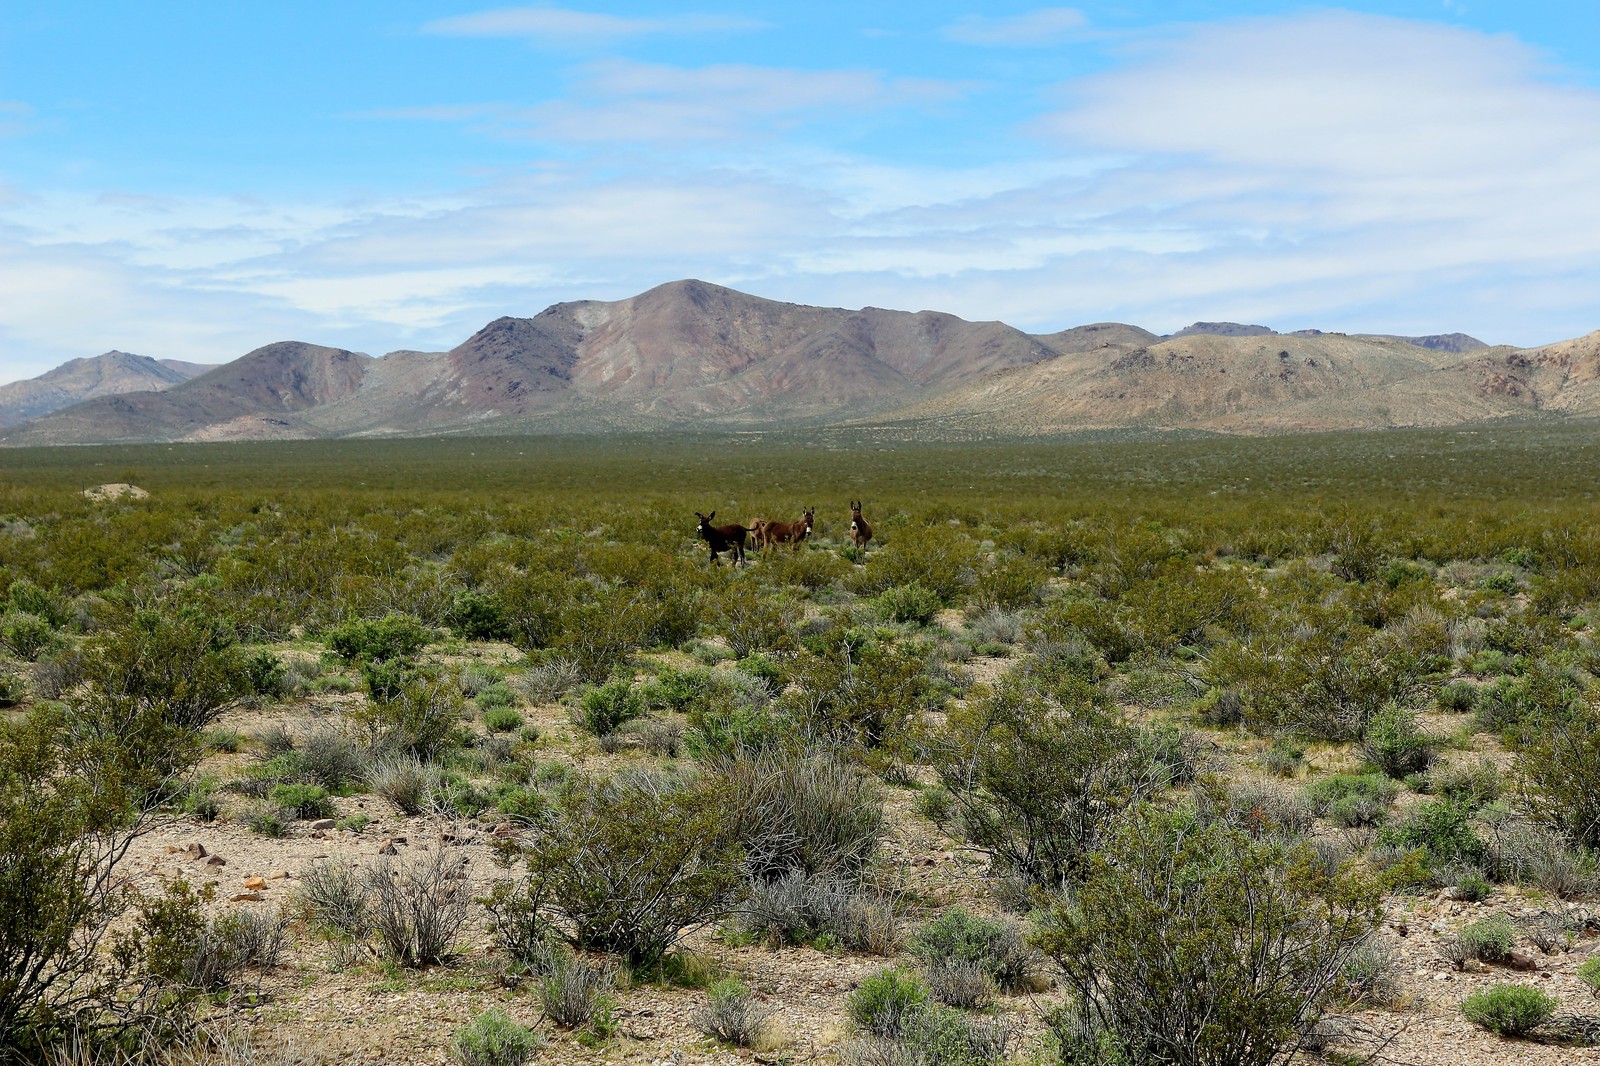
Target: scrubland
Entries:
(1122, 751)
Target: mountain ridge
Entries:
(688, 353)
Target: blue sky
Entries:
(192, 180)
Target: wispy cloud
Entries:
(622, 101)
(1034, 29)
(564, 26)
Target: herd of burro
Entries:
(765, 532)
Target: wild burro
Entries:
(860, 531)
(728, 538)
(795, 533)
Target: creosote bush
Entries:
(1254, 936)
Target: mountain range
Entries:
(689, 354)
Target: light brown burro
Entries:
(728, 538)
(795, 533)
(860, 531)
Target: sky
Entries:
(193, 180)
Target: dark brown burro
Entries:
(722, 538)
(794, 533)
(860, 531)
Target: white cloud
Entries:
(558, 26)
(1035, 29)
(1331, 170)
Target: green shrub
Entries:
(392, 637)
(423, 716)
(885, 1002)
(502, 719)
(575, 994)
(859, 690)
(1253, 938)
(302, 801)
(935, 803)
(1489, 939)
(1444, 829)
(995, 946)
(27, 636)
(403, 780)
(266, 675)
(477, 615)
(603, 709)
(493, 1039)
(909, 603)
(1560, 763)
(493, 695)
(1589, 974)
(1040, 778)
(1458, 697)
(632, 865)
(1353, 799)
(824, 910)
(267, 819)
(1395, 744)
(1509, 1009)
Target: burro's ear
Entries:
(710, 516)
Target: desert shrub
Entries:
(1489, 939)
(1471, 785)
(603, 709)
(1443, 829)
(502, 719)
(266, 676)
(336, 895)
(1257, 808)
(494, 695)
(1473, 887)
(1458, 697)
(1589, 974)
(1540, 856)
(885, 1002)
(958, 983)
(27, 636)
(1283, 758)
(1395, 744)
(661, 736)
(1353, 799)
(253, 937)
(422, 717)
(1371, 974)
(940, 560)
(1008, 582)
(493, 1039)
(329, 758)
(549, 679)
(860, 690)
(935, 803)
(908, 603)
(753, 621)
(302, 801)
(822, 910)
(392, 637)
(575, 994)
(404, 780)
(417, 907)
(1040, 777)
(1509, 1009)
(815, 812)
(1560, 763)
(200, 799)
(677, 690)
(477, 615)
(223, 739)
(1174, 753)
(733, 716)
(266, 819)
(1254, 938)
(995, 946)
(631, 865)
(733, 1015)
(938, 1036)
